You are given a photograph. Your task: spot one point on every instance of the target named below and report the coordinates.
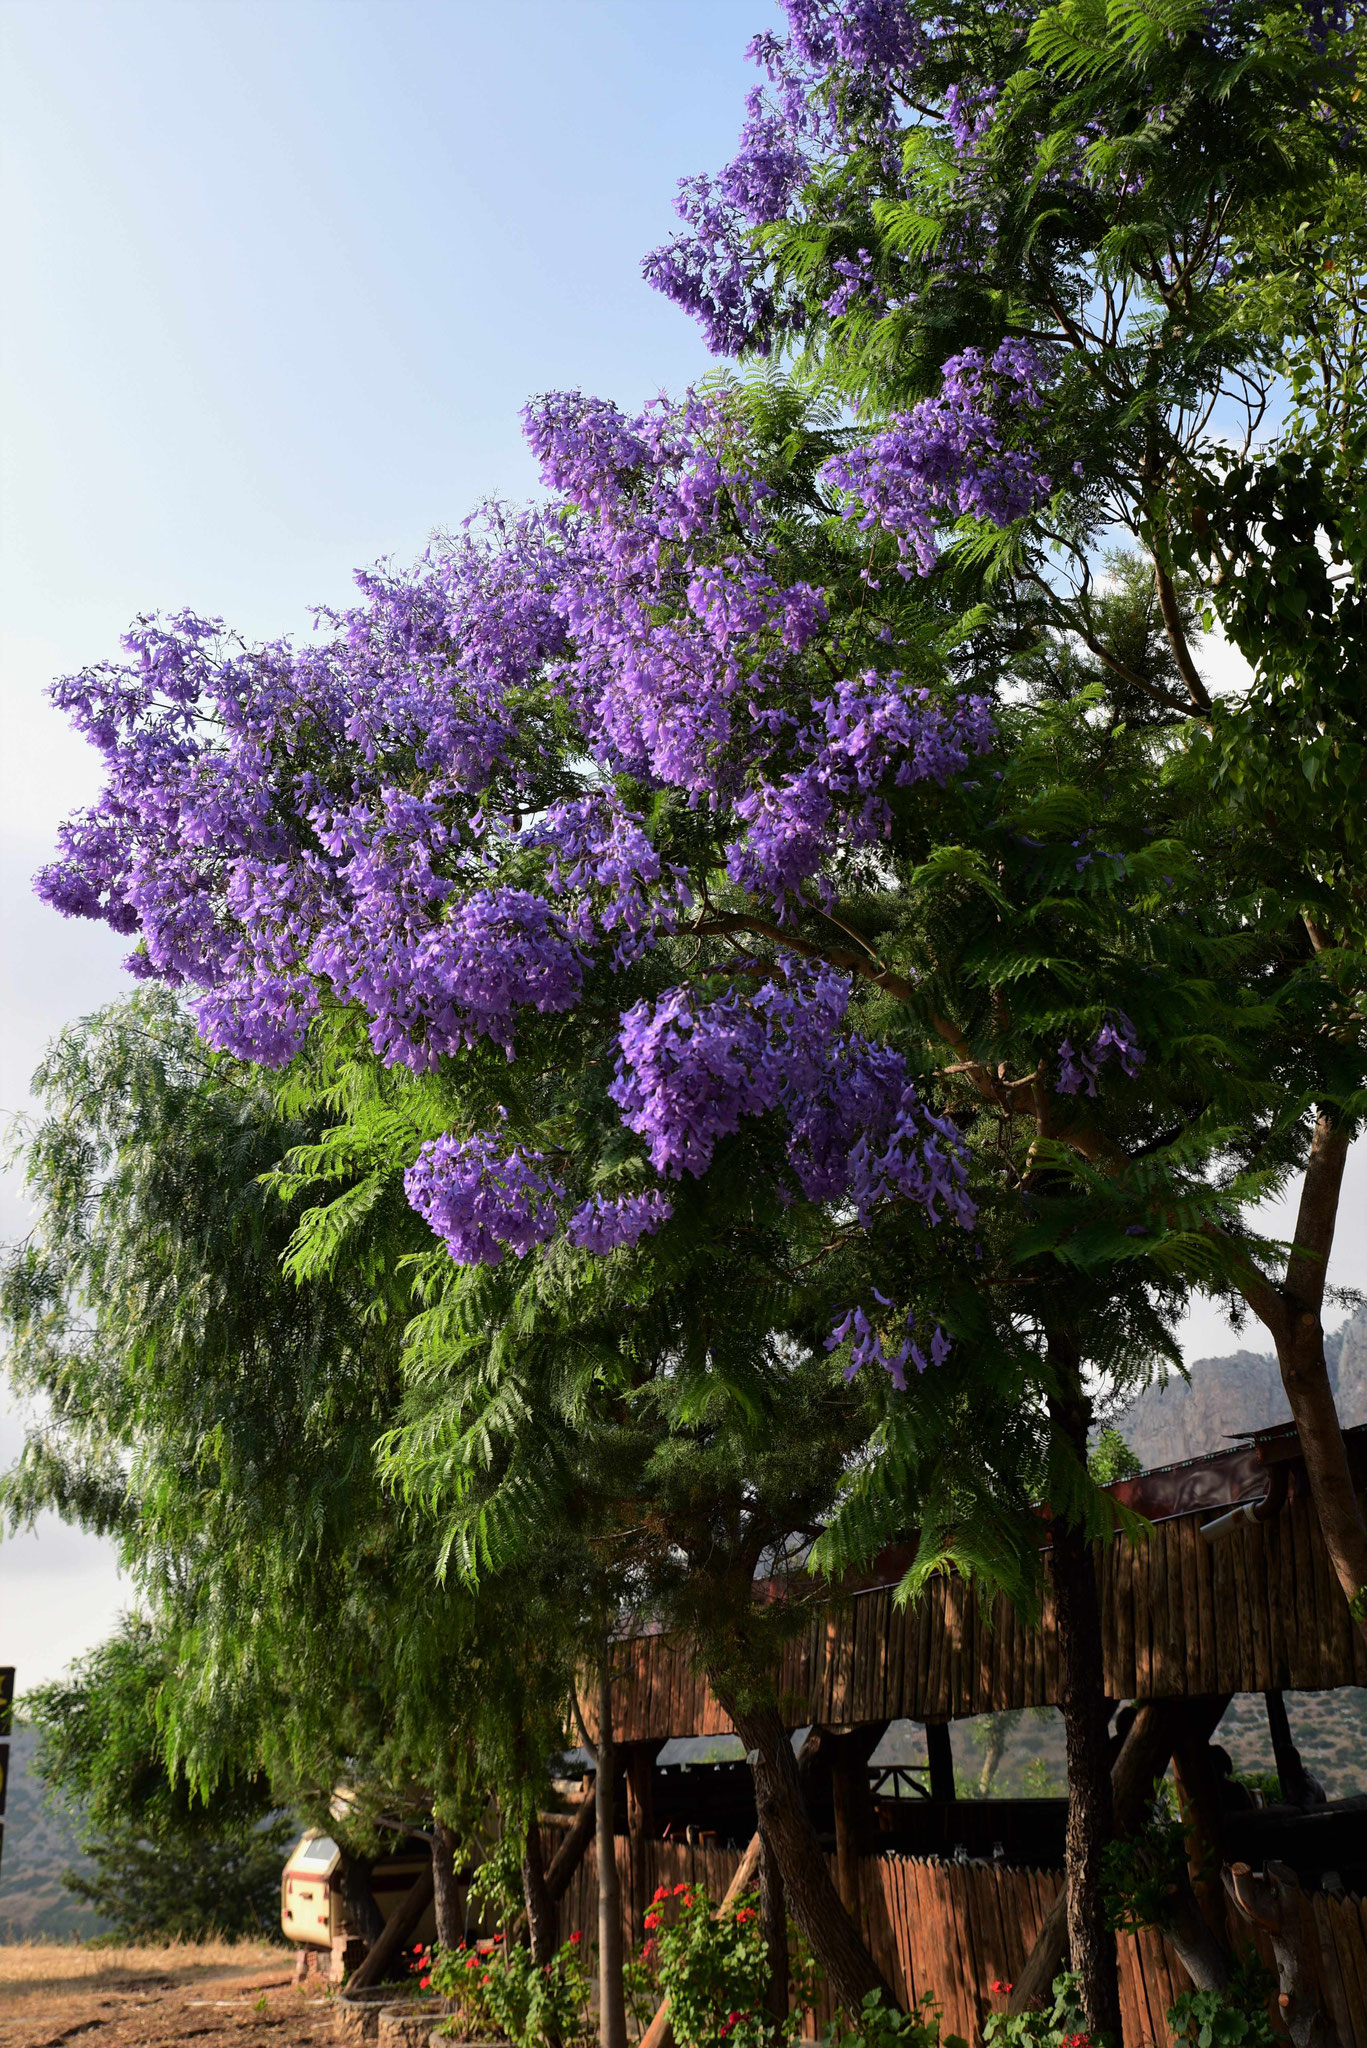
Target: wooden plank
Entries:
(1005, 1653)
(897, 1875)
(1260, 1595)
(1276, 1611)
(1237, 1545)
(1161, 1678)
(1204, 1566)
(1185, 1529)
(1180, 1662)
(1124, 1620)
(951, 1679)
(1330, 1972)
(1223, 1615)
(1304, 1652)
(867, 1620)
(933, 1703)
(1142, 1585)
(1104, 1554)
(1345, 1930)
(1135, 2024)
(1051, 1683)
(894, 1682)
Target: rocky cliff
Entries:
(1227, 1397)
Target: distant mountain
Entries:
(1228, 1397)
(39, 1846)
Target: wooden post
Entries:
(1290, 1769)
(568, 1857)
(405, 1919)
(855, 1818)
(1198, 1795)
(640, 1776)
(940, 1754)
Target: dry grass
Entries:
(31, 1971)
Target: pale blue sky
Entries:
(277, 277)
(276, 280)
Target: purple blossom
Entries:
(949, 458)
(870, 733)
(1115, 1040)
(691, 1072)
(867, 1345)
(604, 1223)
(481, 1202)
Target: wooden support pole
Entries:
(640, 1779)
(568, 1857)
(855, 1816)
(940, 1755)
(397, 1930)
(1198, 1796)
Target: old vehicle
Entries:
(313, 1910)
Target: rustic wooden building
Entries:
(1227, 1590)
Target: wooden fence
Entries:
(955, 1929)
(1257, 1609)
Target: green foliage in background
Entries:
(169, 1864)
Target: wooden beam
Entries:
(568, 1857)
(940, 1753)
(397, 1929)
(855, 1817)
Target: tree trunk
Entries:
(1143, 1758)
(1292, 1314)
(1091, 1813)
(450, 1928)
(1271, 1900)
(612, 2010)
(541, 1914)
(997, 1725)
(359, 1900)
(773, 1913)
(1086, 1720)
(787, 1832)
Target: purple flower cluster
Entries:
(950, 456)
(1115, 1040)
(418, 814)
(867, 1346)
(481, 1201)
(830, 79)
(858, 286)
(870, 732)
(604, 1224)
(690, 1072)
(673, 636)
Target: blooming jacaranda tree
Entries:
(788, 810)
(1147, 217)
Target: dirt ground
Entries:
(222, 1995)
